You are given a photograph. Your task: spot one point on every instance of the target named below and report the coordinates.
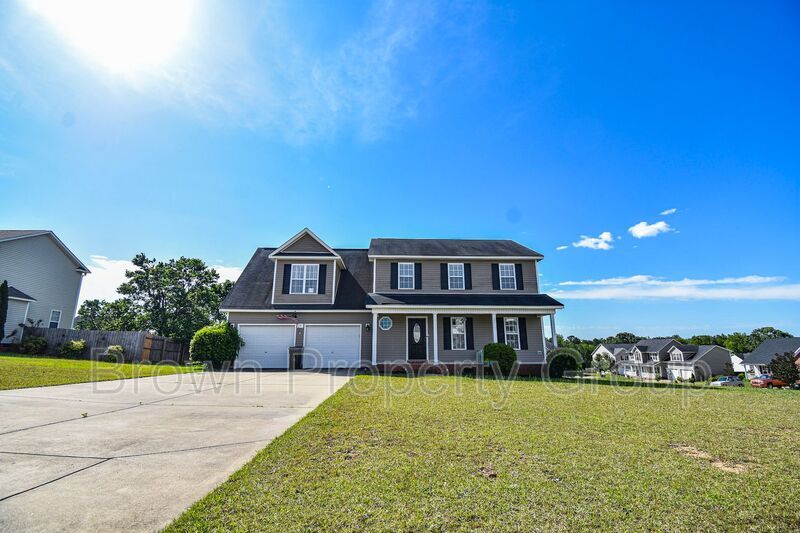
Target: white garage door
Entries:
(332, 347)
(265, 346)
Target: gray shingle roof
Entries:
(653, 345)
(16, 233)
(770, 348)
(253, 289)
(525, 300)
(16, 293)
(449, 248)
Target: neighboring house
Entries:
(737, 362)
(402, 300)
(646, 359)
(615, 351)
(688, 361)
(758, 361)
(44, 279)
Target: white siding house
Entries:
(44, 277)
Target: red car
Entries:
(767, 381)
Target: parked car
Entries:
(767, 381)
(727, 381)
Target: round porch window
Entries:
(385, 323)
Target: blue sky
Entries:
(560, 125)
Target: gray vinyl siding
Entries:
(306, 243)
(16, 315)
(38, 267)
(431, 276)
(303, 298)
(392, 344)
(716, 358)
(311, 318)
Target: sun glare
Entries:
(124, 36)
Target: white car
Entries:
(727, 381)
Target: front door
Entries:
(417, 339)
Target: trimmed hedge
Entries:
(502, 353)
(32, 345)
(563, 360)
(115, 353)
(72, 348)
(216, 344)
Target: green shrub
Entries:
(114, 354)
(72, 348)
(741, 376)
(562, 360)
(215, 344)
(502, 353)
(33, 345)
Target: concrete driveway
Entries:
(133, 454)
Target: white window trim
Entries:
(399, 277)
(391, 323)
(515, 320)
(453, 334)
(305, 278)
(463, 278)
(58, 322)
(500, 276)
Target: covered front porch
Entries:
(455, 336)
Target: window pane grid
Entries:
(405, 275)
(512, 332)
(458, 333)
(508, 277)
(304, 279)
(455, 273)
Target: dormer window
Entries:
(455, 276)
(405, 275)
(508, 277)
(676, 356)
(305, 279)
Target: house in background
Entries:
(688, 361)
(44, 279)
(400, 301)
(617, 352)
(757, 362)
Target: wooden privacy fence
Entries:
(138, 345)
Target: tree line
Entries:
(739, 343)
(175, 298)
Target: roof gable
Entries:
(306, 243)
(14, 234)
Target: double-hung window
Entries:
(458, 333)
(455, 275)
(675, 356)
(304, 279)
(405, 275)
(55, 318)
(508, 277)
(512, 332)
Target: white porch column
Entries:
(553, 330)
(374, 338)
(494, 327)
(435, 338)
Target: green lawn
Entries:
(549, 459)
(17, 372)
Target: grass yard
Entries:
(549, 459)
(17, 372)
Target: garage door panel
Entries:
(265, 346)
(332, 346)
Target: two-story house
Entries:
(645, 359)
(44, 279)
(689, 361)
(617, 352)
(436, 301)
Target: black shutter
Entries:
(495, 276)
(418, 276)
(443, 276)
(523, 334)
(468, 276)
(446, 332)
(322, 279)
(470, 339)
(518, 271)
(393, 276)
(501, 330)
(287, 277)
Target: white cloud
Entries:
(671, 211)
(561, 248)
(643, 229)
(650, 287)
(108, 274)
(602, 242)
